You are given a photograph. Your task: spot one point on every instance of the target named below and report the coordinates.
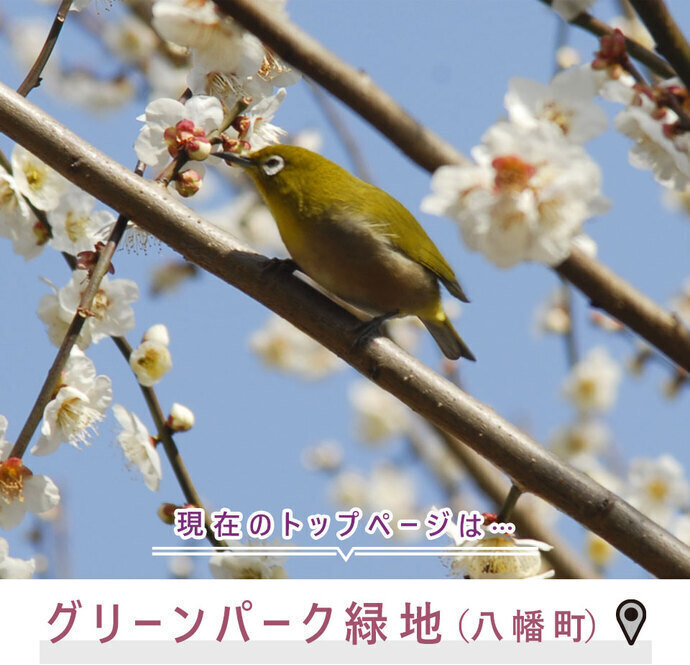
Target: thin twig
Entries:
(171, 450)
(33, 78)
(164, 433)
(569, 337)
(529, 465)
(52, 380)
(565, 562)
(514, 493)
(642, 54)
(669, 38)
(31, 81)
(561, 558)
(567, 296)
(609, 292)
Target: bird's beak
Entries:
(235, 159)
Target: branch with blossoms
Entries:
(524, 197)
(532, 467)
(73, 399)
(600, 285)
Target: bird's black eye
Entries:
(274, 164)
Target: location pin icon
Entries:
(631, 614)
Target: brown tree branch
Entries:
(609, 292)
(531, 467)
(33, 78)
(670, 40)
(602, 287)
(642, 54)
(350, 85)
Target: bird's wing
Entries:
(417, 244)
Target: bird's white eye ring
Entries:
(274, 164)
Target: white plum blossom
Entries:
(181, 567)
(42, 186)
(392, 489)
(567, 103)
(164, 78)
(379, 415)
(681, 528)
(76, 226)
(21, 490)
(525, 197)
(349, 489)
(93, 93)
(190, 123)
(12, 203)
(598, 550)
(567, 57)
(657, 487)
(28, 37)
(592, 384)
(252, 567)
(181, 418)
(218, 42)
(581, 441)
(111, 310)
(257, 130)
(324, 456)
(13, 568)
(130, 39)
(151, 360)
(477, 565)
(385, 488)
(252, 86)
(491, 566)
(282, 346)
(653, 149)
(569, 9)
(157, 333)
(553, 315)
(17, 221)
(138, 446)
(78, 406)
(662, 144)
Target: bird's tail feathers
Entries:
(452, 345)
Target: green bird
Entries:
(355, 240)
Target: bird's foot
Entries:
(277, 266)
(371, 328)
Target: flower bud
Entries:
(166, 511)
(181, 419)
(157, 333)
(188, 183)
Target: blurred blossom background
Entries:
(278, 421)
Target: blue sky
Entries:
(448, 62)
